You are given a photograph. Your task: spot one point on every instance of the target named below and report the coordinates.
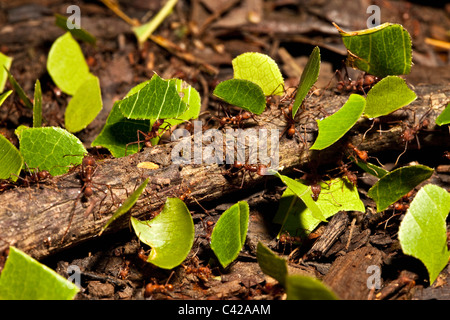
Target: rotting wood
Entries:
(34, 219)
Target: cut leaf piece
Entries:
(444, 117)
(126, 206)
(230, 232)
(5, 63)
(37, 105)
(170, 234)
(19, 90)
(397, 183)
(271, 264)
(11, 160)
(24, 278)
(157, 99)
(79, 33)
(334, 127)
(261, 70)
(297, 220)
(243, 94)
(84, 105)
(381, 51)
(4, 96)
(388, 95)
(423, 230)
(307, 288)
(66, 64)
(307, 80)
(50, 148)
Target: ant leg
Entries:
(398, 158)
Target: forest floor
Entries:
(214, 32)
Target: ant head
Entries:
(246, 115)
(44, 174)
(158, 123)
(237, 164)
(88, 161)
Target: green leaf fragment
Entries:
(422, 232)
(5, 62)
(37, 105)
(261, 70)
(126, 206)
(78, 32)
(397, 183)
(307, 288)
(271, 264)
(66, 64)
(50, 148)
(230, 232)
(84, 106)
(243, 94)
(19, 90)
(388, 95)
(157, 99)
(170, 234)
(444, 117)
(334, 127)
(4, 96)
(381, 51)
(308, 79)
(11, 160)
(24, 278)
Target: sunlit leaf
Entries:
(66, 64)
(388, 95)
(4, 96)
(261, 70)
(50, 148)
(170, 234)
(37, 105)
(24, 278)
(229, 233)
(271, 264)
(397, 183)
(84, 105)
(334, 127)
(423, 230)
(19, 90)
(300, 287)
(444, 117)
(126, 205)
(78, 32)
(11, 160)
(157, 99)
(243, 94)
(381, 51)
(308, 79)
(5, 63)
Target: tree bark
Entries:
(35, 219)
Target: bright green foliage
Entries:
(170, 234)
(307, 80)
(4, 96)
(381, 51)
(84, 105)
(271, 264)
(397, 183)
(298, 220)
(261, 70)
(19, 90)
(5, 63)
(126, 205)
(66, 64)
(157, 99)
(79, 33)
(444, 117)
(50, 148)
(229, 233)
(24, 278)
(334, 127)
(307, 288)
(11, 160)
(242, 93)
(37, 105)
(423, 230)
(388, 95)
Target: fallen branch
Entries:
(35, 219)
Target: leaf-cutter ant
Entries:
(154, 133)
(363, 83)
(238, 166)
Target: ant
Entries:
(351, 176)
(234, 120)
(259, 169)
(362, 84)
(363, 155)
(123, 272)
(201, 272)
(154, 132)
(410, 133)
(152, 288)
